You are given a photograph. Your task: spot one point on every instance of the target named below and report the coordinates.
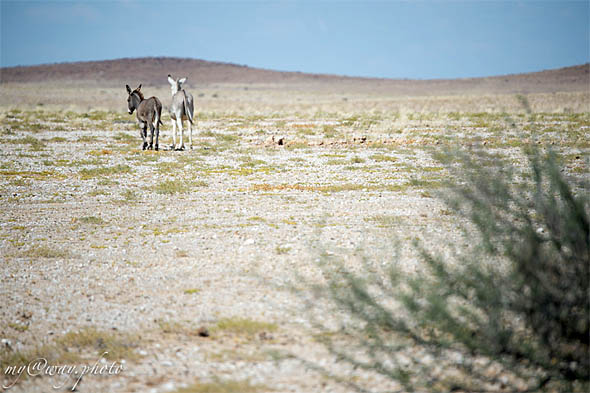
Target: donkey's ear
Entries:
(171, 81)
(138, 88)
(128, 89)
(181, 81)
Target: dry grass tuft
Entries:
(243, 326)
(224, 386)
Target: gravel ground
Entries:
(149, 247)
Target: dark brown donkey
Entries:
(148, 112)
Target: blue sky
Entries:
(391, 39)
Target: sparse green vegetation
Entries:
(125, 138)
(169, 187)
(33, 142)
(175, 327)
(344, 187)
(221, 137)
(88, 139)
(224, 386)
(45, 251)
(96, 115)
(102, 152)
(248, 161)
(170, 167)
(302, 187)
(383, 221)
(303, 132)
(98, 192)
(107, 182)
(75, 347)
(117, 346)
(87, 211)
(383, 158)
(297, 145)
(90, 173)
(19, 327)
(281, 250)
(130, 196)
(243, 326)
(91, 220)
(36, 175)
(143, 157)
(336, 162)
(330, 131)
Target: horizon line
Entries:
(290, 71)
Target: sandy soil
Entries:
(105, 246)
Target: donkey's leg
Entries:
(157, 135)
(173, 134)
(179, 122)
(157, 125)
(190, 135)
(143, 132)
(151, 146)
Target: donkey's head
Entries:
(135, 97)
(175, 84)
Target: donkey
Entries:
(149, 112)
(181, 109)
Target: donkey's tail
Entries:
(158, 112)
(189, 113)
(158, 115)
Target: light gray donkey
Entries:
(149, 112)
(181, 109)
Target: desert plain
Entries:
(191, 268)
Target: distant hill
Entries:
(153, 70)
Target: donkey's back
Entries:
(182, 106)
(150, 110)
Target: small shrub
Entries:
(516, 300)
